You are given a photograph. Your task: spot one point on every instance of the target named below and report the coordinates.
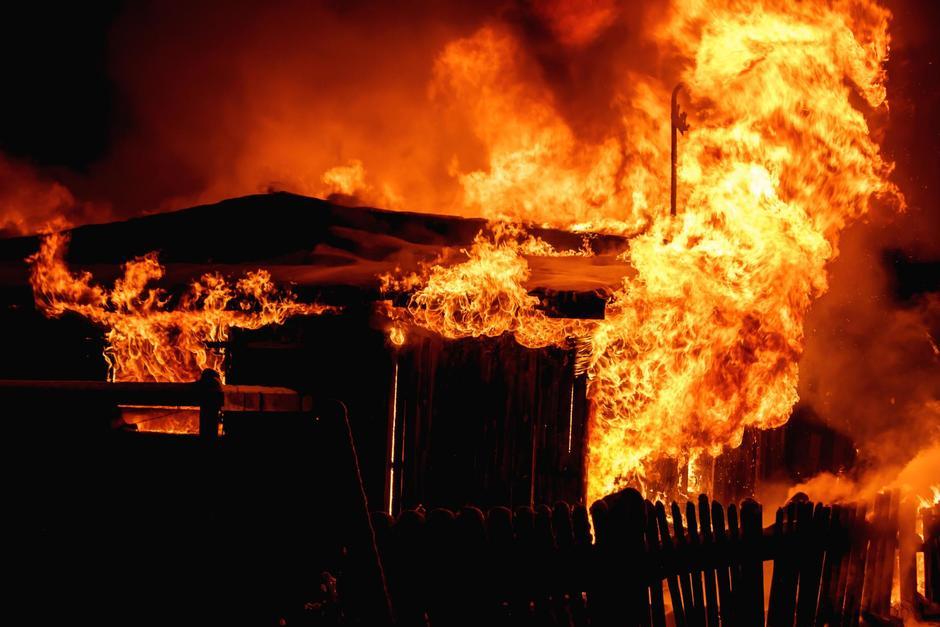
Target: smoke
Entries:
(30, 201)
(871, 364)
(917, 478)
(215, 100)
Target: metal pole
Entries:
(678, 124)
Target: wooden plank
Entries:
(889, 554)
(735, 546)
(847, 519)
(775, 616)
(907, 554)
(826, 610)
(858, 539)
(931, 519)
(670, 564)
(562, 589)
(698, 593)
(871, 591)
(543, 563)
(600, 591)
(655, 554)
(752, 567)
(524, 589)
(708, 566)
(582, 558)
(790, 550)
(811, 573)
(723, 557)
(693, 616)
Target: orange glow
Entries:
(151, 336)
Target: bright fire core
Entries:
(704, 340)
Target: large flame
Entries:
(151, 336)
(704, 339)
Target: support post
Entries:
(211, 399)
(678, 124)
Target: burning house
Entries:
(654, 286)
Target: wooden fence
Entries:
(645, 564)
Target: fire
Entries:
(705, 338)
(483, 295)
(150, 335)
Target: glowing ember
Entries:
(151, 336)
(705, 338)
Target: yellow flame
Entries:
(704, 339)
(149, 338)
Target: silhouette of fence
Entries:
(650, 565)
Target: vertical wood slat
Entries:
(752, 567)
(782, 566)
(871, 591)
(626, 529)
(833, 556)
(811, 573)
(600, 589)
(805, 555)
(858, 552)
(562, 588)
(889, 554)
(670, 561)
(907, 554)
(723, 558)
(582, 551)
(698, 594)
(847, 520)
(931, 520)
(692, 615)
(708, 554)
(791, 551)
(735, 545)
(655, 554)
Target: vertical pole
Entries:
(907, 555)
(931, 519)
(392, 438)
(211, 400)
(678, 124)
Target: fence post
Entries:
(211, 399)
(752, 566)
(932, 553)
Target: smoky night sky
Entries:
(72, 77)
(116, 102)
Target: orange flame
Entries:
(705, 338)
(150, 336)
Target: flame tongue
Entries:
(148, 339)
